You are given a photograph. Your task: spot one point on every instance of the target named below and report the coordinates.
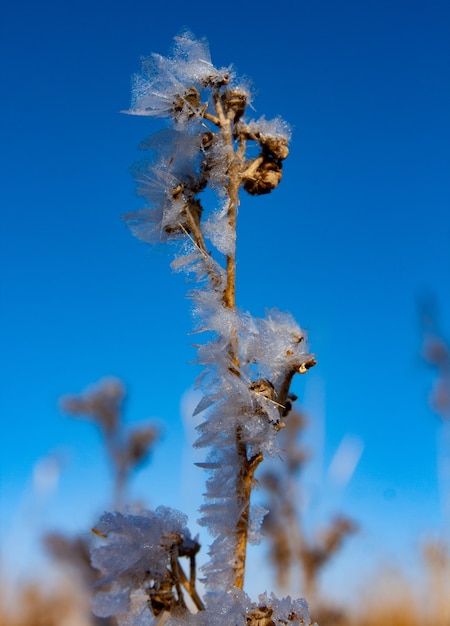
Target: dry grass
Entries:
(35, 604)
(390, 599)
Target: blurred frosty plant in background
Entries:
(127, 450)
(293, 551)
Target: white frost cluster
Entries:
(160, 181)
(269, 351)
(134, 559)
(276, 128)
(164, 80)
(276, 344)
(133, 555)
(235, 608)
(270, 348)
(219, 232)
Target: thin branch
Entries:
(213, 275)
(211, 118)
(176, 578)
(244, 488)
(189, 585)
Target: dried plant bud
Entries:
(217, 80)
(260, 616)
(276, 146)
(189, 547)
(186, 105)
(264, 387)
(207, 139)
(170, 540)
(266, 177)
(234, 101)
(304, 367)
(161, 597)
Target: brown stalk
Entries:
(245, 478)
(195, 230)
(244, 486)
(189, 585)
(176, 579)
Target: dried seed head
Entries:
(207, 139)
(304, 367)
(276, 146)
(260, 616)
(264, 387)
(265, 179)
(235, 101)
(189, 547)
(287, 408)
(217, 80)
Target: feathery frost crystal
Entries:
(248, 363)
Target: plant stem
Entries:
(244, 488)
(245, 477)
(189, 585)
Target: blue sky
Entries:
(358, 230)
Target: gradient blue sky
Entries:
(357, 231)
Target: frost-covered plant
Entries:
(248, 363)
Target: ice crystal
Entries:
(220, 233)
(275, 128)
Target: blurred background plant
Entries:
(126, 449)
(436, 353)
(68, 601)
(298, 559)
